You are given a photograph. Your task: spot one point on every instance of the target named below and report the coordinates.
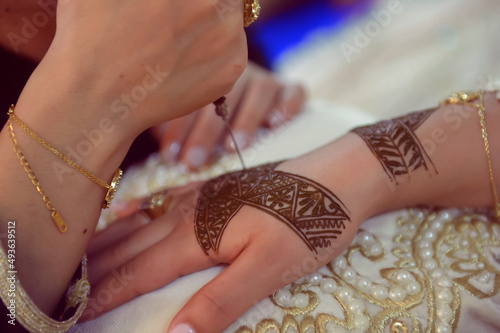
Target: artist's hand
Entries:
(258, 99)
(142, 62)
(261, 250)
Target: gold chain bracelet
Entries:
(466, 99)
(112, 188)
(56, 216)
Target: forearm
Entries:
(46, 259)
(452, 170)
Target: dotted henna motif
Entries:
(396, 145)
(314, 213)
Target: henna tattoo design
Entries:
(396, 145)
(314, 213)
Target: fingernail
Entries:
(276, 119)
(182, 328)
(171, 153)
(241, 138)
(196, 157)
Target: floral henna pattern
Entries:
(396, 145)
(314, 213)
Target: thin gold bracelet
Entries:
(54, 213)
(111, 188)
(467, 98)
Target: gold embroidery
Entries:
(446, 255)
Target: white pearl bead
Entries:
(328, 285)
(418, 213)
(364, 284)
(332, 328)
(315, 279)
(339, 264)
(403, 276)
(397, 294)
(375, 250)
(349, 275)
(300, 300)
(437, 225)
(283, 297)
(429, 234)
(464, 243)
(445, 281)
(480, 265)
(424, 244)
(444, 295)
(473, 234)
(344, 293)
(484, 277)
(474, 256)
(365, 238)
(444, 313)
(426, 253)
(437, 273)
(413, 288)
(357, 306)
(380, 292)
(442, 328)
(361, 322)
(429, 264)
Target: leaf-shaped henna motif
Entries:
(396, 145)
(314, 213)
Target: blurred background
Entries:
(385, 57)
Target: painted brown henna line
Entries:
(311, 210)
(396, 146)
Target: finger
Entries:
(252, 277)
(116, 231)
(179, 254)
(199, 147)
(128, 247)
(259, 100)
(291, 103)
(174, 136)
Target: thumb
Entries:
(221, 302)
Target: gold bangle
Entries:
(252, 11)
(467, 99)
(111, 189)
(28, 314)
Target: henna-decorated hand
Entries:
(263, 222)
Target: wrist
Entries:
(348, 170)
(72, 120)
